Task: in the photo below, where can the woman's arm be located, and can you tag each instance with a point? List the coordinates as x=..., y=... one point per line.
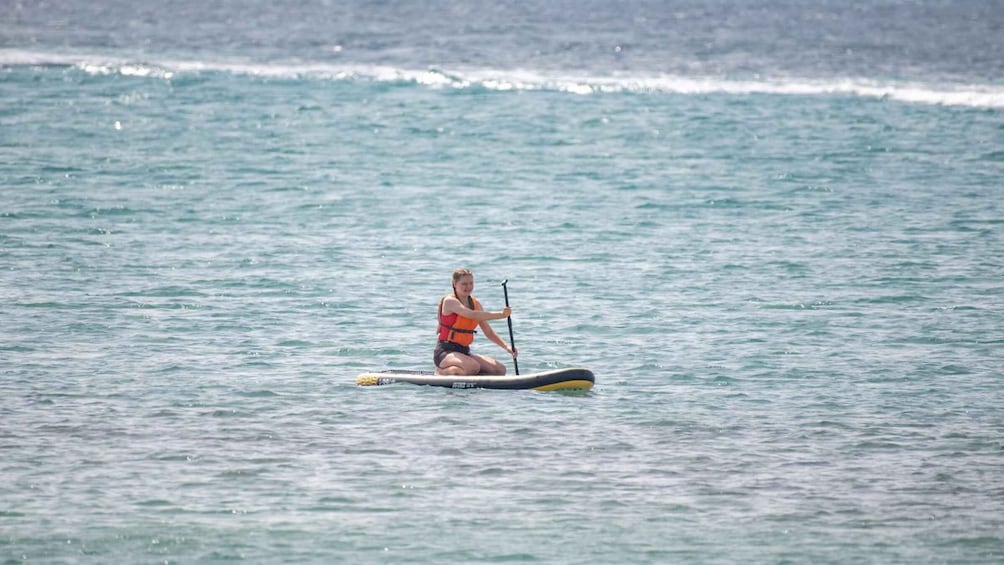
x=494, y=338
x=453, y=306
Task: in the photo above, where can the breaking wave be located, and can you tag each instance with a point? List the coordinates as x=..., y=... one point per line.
x=583, y=83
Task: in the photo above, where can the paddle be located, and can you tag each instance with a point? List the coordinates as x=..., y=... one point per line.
x=512, y=342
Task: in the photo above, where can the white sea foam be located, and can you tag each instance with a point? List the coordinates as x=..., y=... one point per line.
x=950, y=94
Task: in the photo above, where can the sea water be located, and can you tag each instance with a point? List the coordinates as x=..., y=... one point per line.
x=773, y=231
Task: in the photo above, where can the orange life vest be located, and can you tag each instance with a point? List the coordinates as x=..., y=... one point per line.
x=456, y=328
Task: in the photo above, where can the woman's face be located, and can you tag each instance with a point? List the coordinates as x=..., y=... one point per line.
x=464, y=285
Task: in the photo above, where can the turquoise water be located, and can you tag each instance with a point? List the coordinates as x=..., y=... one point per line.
x=790, y=291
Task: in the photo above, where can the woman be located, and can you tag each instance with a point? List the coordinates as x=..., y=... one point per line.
x=459, y=315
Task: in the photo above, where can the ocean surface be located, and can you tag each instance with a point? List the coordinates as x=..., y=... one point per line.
x=773, y=230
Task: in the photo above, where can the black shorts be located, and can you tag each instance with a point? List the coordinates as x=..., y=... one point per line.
x=443, y=348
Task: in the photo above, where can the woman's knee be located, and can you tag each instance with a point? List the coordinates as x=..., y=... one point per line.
x=492, y=367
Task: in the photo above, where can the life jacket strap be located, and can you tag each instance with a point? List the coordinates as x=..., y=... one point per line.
x=458, y=330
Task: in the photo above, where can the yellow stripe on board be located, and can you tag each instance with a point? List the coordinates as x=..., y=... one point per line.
x=367, y=380
x=567, y=385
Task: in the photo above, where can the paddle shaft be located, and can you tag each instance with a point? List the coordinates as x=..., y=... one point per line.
x=512, y=341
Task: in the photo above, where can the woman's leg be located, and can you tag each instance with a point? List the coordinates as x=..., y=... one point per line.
x=458, y=364
x=489, y=366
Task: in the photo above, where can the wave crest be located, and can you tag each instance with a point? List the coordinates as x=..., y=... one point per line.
x=949, y=94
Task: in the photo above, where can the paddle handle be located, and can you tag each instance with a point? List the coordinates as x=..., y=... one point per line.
x=512, y=340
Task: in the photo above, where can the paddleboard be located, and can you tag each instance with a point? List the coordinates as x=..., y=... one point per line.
x=576, y=379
